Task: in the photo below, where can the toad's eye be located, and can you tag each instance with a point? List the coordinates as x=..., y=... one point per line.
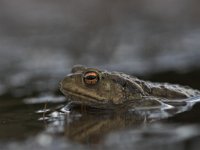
x=91, y=78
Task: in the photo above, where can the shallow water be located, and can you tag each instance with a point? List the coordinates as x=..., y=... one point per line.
x=44, y=122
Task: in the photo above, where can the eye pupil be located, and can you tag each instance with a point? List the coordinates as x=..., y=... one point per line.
x=91, y=78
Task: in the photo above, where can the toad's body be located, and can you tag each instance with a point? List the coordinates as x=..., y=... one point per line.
x=103, y=89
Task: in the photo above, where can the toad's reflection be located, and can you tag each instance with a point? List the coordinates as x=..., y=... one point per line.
x=91, y=126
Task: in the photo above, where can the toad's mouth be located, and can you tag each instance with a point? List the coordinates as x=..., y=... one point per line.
x=81, y=98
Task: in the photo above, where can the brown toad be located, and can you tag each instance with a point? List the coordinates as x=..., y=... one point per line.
x=103, y=89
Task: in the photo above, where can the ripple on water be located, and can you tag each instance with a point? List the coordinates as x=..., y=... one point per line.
x=45, y=99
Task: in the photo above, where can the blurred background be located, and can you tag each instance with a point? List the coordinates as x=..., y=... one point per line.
x=141, y=37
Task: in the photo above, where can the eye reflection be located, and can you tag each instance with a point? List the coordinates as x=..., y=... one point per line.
x=91, y=78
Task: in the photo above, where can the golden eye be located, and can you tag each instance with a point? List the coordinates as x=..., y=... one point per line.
x=91, y=78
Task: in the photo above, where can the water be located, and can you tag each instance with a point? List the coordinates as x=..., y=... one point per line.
x=46, y=122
